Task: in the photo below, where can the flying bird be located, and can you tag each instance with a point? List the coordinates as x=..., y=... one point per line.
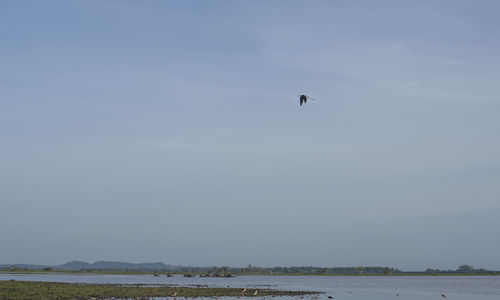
x=444, y=296
x=303, y=99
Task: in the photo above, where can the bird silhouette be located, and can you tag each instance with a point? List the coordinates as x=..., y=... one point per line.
x=303, y=99
x=444, y=296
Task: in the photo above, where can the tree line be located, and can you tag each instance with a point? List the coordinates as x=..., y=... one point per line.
x=297, y=270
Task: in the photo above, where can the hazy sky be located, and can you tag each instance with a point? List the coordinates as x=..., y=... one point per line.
x=170, y=131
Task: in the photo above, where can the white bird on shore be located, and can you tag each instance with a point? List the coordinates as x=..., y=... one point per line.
x=255, y=294
x=175, y=294
x=244, y=290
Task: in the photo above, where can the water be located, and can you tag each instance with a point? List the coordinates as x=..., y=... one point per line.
x=340, y=287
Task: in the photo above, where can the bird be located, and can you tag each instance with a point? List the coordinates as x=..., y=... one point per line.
x=444, y=296
x=255, y=294
x=330, y=297
x=244, y=290
x=174, y=294
x=303, y=99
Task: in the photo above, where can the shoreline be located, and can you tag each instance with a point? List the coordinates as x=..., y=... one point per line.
x=161, y=273
x=16, y=290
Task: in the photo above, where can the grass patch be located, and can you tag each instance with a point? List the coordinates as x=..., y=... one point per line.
x=24, y=290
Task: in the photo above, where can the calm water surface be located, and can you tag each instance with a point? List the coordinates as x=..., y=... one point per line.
x=348, y=287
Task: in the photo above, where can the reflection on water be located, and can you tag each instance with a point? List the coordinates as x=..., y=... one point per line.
x=339, y=287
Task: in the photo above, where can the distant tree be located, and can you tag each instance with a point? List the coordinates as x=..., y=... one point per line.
x=465, y=269
x=360, y=270
x=47, y=269
x=432, y=270
x=387, y=271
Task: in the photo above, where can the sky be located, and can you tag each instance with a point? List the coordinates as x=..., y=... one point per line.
x=170, y=131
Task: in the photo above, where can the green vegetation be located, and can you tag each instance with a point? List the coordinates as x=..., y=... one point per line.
x=387, y=271
x=20, y=290
x=251, y=270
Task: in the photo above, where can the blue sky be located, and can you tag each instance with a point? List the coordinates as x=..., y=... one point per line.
x=170, y=131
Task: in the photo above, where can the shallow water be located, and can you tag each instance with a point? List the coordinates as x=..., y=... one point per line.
x=340, y=287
